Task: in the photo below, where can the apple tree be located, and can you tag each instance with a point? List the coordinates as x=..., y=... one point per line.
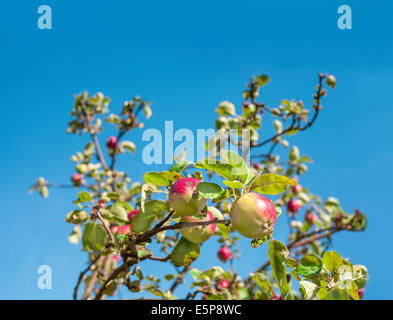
x=185, y=205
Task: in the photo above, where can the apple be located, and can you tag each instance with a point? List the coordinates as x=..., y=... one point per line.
x=311, y=218
x=224, y=254
x=184, y=197
x=132, y=214
x=222, y=284
x=253, y=215
x=297, y=189
x=361, y=293
x=121, y=229
x=76, y=179
x=111, y=143
x=275, y=297
x=257, y=166
x=198, y=234
x=293, y=205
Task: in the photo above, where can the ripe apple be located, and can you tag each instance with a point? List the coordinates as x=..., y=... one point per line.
x=198, y=234
x=132, y=214
x=224, y=254
x=293, y=205
x=184, y=197
x=111, y=142
x=297, y=189
x=253, y=215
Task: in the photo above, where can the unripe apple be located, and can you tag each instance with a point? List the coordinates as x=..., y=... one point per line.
x=224, y=254
x=361, y=293
x=275, y=297
x=257, y=166
x=293, y=205
x=132, y=214
x=124, y=229
x=111, y=142
x=297, y=189
x=311, y=218
x=253, y=215
x=198, y=234
x=76, y=179
x=121, y=229
x=184, y=197
x=223, y=284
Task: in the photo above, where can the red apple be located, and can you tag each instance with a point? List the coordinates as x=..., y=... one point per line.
x=311, y=218
x=76, y=179
x=297, y=188
x=198, y=234
x=275, y=297
x=361, y=293
x=257, y=166
x=224, y=254
x=184, y=197
x=293, y=205
x=132, y=214
x=121, y=229
x=223, y=284
x=111, y=142
x=253, y=215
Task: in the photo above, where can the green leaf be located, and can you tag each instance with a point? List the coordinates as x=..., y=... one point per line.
x=144, y=219
x=129, y=146
x=209, y=190
x=240, y=168
x=336, y=294
x=222, y=169
x=185, y=252
x=94, y=237
x=224, y=230
x=171, y=175
x=291, y=262
x=262, y=79
x=113, y=195
x=272, y=184
x=125, y=205
x=233, y=184
x=332, y=260
x=308, y=289
x=119, y=214
x=278, y=253
x=195, y=273
x=156, y=178
x=77, y=216
x=180, y=166
x=360, y=275
x=156, y=291
x=310, y=264
x=83, y=196
x=226, y=108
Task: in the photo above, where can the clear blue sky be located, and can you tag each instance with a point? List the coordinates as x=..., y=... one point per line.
x=187, y=57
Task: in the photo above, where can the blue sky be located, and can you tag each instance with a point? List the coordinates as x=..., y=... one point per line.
x=186, y=58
